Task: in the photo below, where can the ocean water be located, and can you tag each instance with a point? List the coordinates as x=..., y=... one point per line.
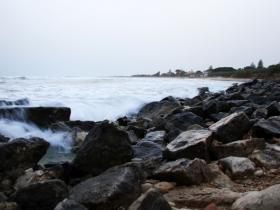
x=92, y=98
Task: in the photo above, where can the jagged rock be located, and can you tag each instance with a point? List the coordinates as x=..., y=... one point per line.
x=147, y=150
x=181, y=121
x=67, y=204
x=189, y=144
x=139, y=132
x=268, y=157
x=260, y=113
x=231, y=128
x=218, y=116
x=267, y=128
x=105, y=146
x=82, y=125
x=241, y=148
x=199, y=197
x=151, y=200
x=273, y=109
x=215, y=106
x=8, y=206
x=247, y=110
x=219, y=179
x=41, y=116
x=19, y=102
x=184, y=172
x=156, y=137
x=237, y=167
x=123, y=121
x=41, y=196
x=157, y=110
x=21, y=154
x=267, y=199
x=116, y=188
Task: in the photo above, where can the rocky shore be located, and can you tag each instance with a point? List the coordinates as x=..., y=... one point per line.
x=214, y=151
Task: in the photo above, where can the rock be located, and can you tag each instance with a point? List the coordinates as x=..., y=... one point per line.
x=181, y=121
x=82, y=125
x=218, y=116
x=237, y=167
x=268, y=157
x=147, y=150
x=273, y=109
x=211, y=206
x=116, y=188
x=156, y=137
x=151, y=200
x=21, y=154
x=132, y=137
x=3, y=197
x=241, y=148
x=105, y=146
x=41, y=196
x=41, y=116
x=165, y=187
x=231, y=128
x=215, y=106
x=139, y=132
x=8, y=206
x=199, y=197
x=145, y=187
x=184, y=172
x=157, y=110
x=67, y=204
x=219, y=180
x=260, y=113
x=247, y=110
x=3, y=139
x=19, y=102
x=123, y=121
x=267, y=199
x=267, y=128
x=259, y=173
x=189, y=144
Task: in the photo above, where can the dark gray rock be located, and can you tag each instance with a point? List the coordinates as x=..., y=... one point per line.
x=3, y=139
x=151, y=200
x=105, y=146
x=21, y=154
x=147, y=150
x=267, y=128
x=19, y=102
x=67, y=204
x=41, y=196
x=241, y=148
x=114, y=189
x=155, y=136
x=184, y=172
x=189, y=144
x=273, y=109
x=231, y=128
x=82, y=125
x=260, y=113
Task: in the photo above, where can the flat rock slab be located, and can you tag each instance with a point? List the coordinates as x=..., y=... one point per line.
x=267, y=199
x=200, y=197
x=231, y=128
x=237, y=167
x=190, y=144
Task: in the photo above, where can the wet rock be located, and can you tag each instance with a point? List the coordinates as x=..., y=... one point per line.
x=105, y=146
x=157, y=110
x=41, y=196
x=273, y=109
x=132, y=137
x=267, y=128
x=67, y=204
x=231, y=128
x=260, y=113
x=21, y=154
x=116, y=188
x=156, y=137
x=267, y=199
x=3, y=139
x=41, y=116
x=123, y=121
x=189, y=144
x=147, y=150
x=247, y=110
x=184, y=172
x=181, y=121
x=199, y=197
x=237, y=167
x=151, y=200
x=19, y=102
x=82, y=125
x=241, y=148
x=139, y=132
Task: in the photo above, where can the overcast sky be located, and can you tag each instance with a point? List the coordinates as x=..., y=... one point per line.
x=124, y=37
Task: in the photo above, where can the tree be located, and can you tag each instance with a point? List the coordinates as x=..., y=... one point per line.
x=260, y=64
x=253, y=66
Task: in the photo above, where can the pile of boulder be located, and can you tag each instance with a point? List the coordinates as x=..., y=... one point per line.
x=214, y=151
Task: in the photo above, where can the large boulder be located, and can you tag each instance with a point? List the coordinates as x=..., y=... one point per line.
x=156, y=137
x=151, y=200
x=237, y=167
x=184, y=172
x=147, y=150
x=21, y=154
x=41, y=196
x=114, y=189
x=231, y=128
x=157, y=110
x=267, y=128
x=67, y=204
x=267, y=199
x=190, y=144
x=41, y=116
x=273, y=109
x=105, y=146
x=241, y=148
